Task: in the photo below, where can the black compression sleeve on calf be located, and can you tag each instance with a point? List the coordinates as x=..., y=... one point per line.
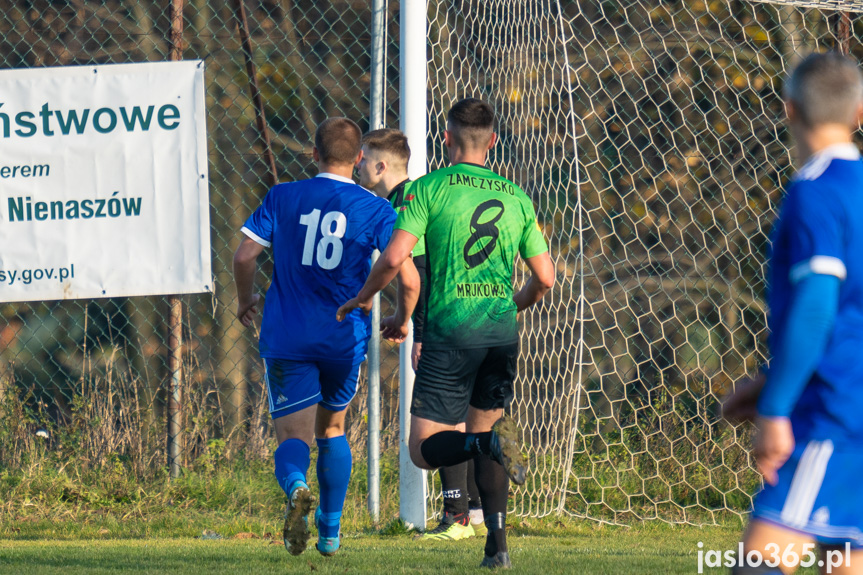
x=453, y=481
x=420, y=310
x=445, y=448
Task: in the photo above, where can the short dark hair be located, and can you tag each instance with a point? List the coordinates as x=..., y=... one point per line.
x=338, y=141
x=471, y=123
x=825, y=89
x=388, y=140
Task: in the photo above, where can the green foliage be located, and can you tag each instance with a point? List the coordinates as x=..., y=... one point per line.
x=396, y=528
x=38, y=499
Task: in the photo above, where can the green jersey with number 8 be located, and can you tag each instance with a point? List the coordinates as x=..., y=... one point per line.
x=473, y=223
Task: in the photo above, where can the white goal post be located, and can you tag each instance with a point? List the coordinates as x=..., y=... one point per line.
x=413, y=485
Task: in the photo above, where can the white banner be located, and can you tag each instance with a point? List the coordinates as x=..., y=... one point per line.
x=103, y=182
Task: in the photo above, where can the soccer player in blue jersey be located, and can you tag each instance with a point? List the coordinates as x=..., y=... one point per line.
x=809, y=439
x=322, y=232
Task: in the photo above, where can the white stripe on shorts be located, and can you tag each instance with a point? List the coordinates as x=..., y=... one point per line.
x=806, y=483
x=269, y=391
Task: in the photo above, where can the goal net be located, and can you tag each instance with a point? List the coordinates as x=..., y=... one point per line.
x=649, y=136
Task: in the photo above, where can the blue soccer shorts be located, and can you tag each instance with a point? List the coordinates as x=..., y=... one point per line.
x=296, y=385
x=818, y=494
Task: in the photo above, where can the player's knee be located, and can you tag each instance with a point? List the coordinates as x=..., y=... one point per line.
x=415, y=449
x=329, y=430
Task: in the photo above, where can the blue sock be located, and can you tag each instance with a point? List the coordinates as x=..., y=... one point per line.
x=292, y=463
x=334, y=473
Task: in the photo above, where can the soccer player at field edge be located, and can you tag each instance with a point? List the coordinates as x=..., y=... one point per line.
x=384, y=170
x=322, y=231
x=474, y=223
x=809, y=433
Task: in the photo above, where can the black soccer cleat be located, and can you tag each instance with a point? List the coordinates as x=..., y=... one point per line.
x=499, y=560
x=505, y=449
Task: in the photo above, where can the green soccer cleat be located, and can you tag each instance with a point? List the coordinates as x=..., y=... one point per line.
x=505, y=449
x=296, y=530
x=448, y=530
x=477, y=521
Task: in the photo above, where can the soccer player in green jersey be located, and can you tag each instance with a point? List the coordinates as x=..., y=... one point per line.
x=474, y=223
x=384, y=170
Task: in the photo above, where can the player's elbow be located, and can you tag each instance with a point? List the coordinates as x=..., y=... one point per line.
x=546, y=281
x=545, y=277
x=246, y=255
x=542, y=273
x=391, y=261
x=242, y=258
x=409, y=278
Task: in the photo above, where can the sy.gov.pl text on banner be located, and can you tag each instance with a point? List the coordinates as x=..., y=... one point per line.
x=103, y=182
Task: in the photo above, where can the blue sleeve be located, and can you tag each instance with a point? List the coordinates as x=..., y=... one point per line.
x=384, y=227
x=800, y=347
x=814, y=222
x=261, y=223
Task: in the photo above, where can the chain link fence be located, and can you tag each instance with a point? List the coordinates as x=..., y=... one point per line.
x=649, y=136
x=96, y=372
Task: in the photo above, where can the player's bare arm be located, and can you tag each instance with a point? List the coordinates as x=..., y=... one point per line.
x=774, y=443
x=540, y=282
x=383, y=272
x=395, y=327
x=416, y=353
x=245, y=268
x=742, y=403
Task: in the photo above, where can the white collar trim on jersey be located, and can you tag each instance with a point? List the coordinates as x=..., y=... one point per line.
x=819, y=162
x=330, y=176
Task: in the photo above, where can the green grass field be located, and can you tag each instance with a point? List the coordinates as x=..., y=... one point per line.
x=63, y=517
x=573, y=547
x=576, y=550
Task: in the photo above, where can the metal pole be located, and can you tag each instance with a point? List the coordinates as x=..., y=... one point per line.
x=843, y=32
x=255, y=92
x=376, y=101
x=379, y=48
x=175, y=316
x=175, y=395
x=374, y=432
x=413, y=122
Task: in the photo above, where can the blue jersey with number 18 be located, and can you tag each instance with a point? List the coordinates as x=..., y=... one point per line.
x=322, y=231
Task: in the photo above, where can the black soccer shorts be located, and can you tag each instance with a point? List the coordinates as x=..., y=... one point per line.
x=448, y=381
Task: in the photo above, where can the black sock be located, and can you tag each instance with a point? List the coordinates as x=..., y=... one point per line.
x=453, y=480
x=447, y=448
x=473, y=499
x=493, y=484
